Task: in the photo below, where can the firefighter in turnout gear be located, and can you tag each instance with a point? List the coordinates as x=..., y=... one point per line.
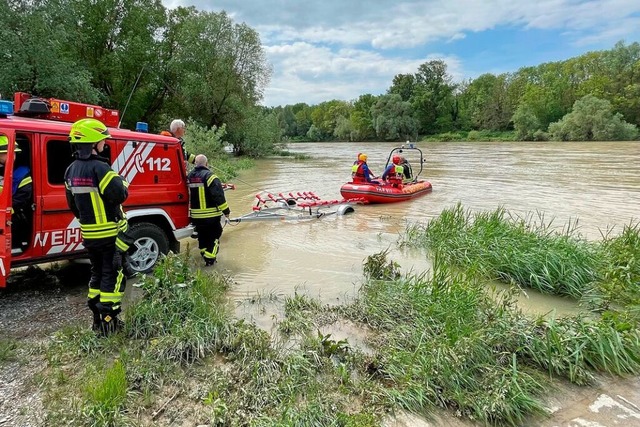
x=94, y=195
x=208, y=204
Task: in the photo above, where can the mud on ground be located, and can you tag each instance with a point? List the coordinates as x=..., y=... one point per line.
x=39, y=302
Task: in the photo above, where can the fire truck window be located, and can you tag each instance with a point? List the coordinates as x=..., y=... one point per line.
x=23, y=156
x=59, y=157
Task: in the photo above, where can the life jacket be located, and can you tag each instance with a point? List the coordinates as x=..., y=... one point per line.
x=396, y=176
x=357, y=172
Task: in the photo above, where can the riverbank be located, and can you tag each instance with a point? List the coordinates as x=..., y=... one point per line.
x=436, y=345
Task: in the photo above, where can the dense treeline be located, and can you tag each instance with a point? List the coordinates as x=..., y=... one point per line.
x=592, y=96
x=159, y=63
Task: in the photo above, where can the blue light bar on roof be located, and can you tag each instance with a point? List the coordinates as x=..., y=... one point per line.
x=142, y=127
x=6, y=107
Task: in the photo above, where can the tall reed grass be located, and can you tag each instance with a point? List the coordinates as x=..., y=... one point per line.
x=528, y=251
x=444, y=340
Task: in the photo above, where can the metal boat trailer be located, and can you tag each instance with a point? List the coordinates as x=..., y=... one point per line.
x=300, y=206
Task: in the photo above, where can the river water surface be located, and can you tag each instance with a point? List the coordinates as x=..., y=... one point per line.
x=597, y=184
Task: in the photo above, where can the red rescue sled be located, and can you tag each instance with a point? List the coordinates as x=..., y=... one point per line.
x=391, y=192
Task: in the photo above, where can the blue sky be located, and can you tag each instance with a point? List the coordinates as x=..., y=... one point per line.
x=340, y=49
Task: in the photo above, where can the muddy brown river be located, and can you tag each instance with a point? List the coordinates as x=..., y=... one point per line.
x=595, y=184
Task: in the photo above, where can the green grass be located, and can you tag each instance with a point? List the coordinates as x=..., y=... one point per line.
x=438, y=339
x=619, y=274
x=105, y=396
x=445, y=341
x=180, y=335
x=8, y=350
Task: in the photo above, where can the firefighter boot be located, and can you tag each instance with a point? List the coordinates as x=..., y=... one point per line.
x=97, y=320
x=109, y=322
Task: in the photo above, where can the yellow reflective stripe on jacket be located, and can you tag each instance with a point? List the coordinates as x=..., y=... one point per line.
x=106, y=180
x=25, y=181
x=205, y=213
x=223, y=206
x=122, y=246
x=98, y=208
x=99, y=231
x=123, y=226
x=210, y=180
x=202, y=200
x=93, y=292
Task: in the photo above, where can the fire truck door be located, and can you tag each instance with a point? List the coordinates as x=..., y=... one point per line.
x=5, y=208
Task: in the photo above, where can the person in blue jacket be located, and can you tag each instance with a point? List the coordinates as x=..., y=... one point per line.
x=22, y=196
x=360, y=171
x=394, y=170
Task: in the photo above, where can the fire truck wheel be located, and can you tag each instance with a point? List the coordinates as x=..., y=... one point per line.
x=149, y=243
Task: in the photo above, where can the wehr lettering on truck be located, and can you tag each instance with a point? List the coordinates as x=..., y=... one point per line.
x=57, y=241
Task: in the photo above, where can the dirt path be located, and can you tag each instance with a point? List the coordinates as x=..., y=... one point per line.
x=39, y=303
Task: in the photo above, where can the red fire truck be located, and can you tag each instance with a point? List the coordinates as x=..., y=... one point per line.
x=154, y=166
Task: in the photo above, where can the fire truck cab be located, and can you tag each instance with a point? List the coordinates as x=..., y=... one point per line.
x=157, y=207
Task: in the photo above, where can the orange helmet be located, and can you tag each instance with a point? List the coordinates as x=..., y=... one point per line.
x=362, y=157
x=395, y=159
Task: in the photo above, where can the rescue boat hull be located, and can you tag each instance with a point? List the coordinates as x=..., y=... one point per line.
x=385, y=193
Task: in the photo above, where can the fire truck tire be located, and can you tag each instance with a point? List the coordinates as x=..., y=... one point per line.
x=150, y=242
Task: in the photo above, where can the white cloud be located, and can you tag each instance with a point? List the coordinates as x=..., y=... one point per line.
x=337, y=49
x=308, y=73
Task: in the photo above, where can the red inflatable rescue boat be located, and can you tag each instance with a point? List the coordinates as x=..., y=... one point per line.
x=391, y=191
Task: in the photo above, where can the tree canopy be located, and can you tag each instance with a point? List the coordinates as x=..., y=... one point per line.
x=152, y=63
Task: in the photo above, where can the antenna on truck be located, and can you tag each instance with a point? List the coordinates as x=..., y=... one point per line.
x=130, y=94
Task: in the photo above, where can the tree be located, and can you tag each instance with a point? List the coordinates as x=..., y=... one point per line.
x=221, y=69
x=303, y=118
x=393, y=118
x=36, y=54
x=486, y=102
x=343, y=129
x=325, y=117
x=592, y=119
x=525, y=122
x=261, y=132
x=117, y=41
x=361, y=118
x=432, y=98
x=403, y=85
